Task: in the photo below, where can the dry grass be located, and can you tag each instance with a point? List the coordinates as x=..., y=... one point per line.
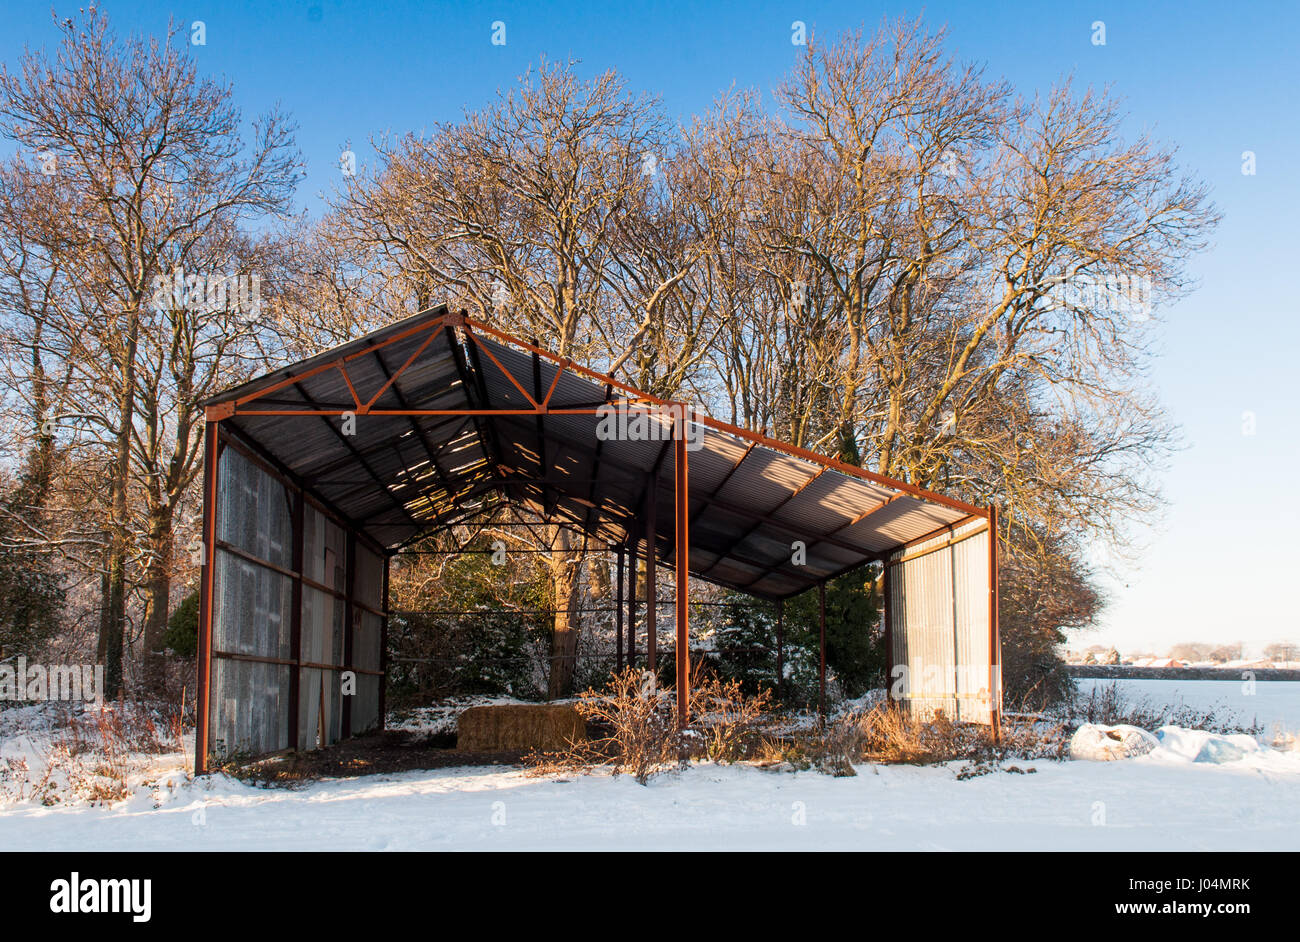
x=639, y=725
x=93, y=755
x=885, y=734
x=1109, y=706
x=730, y=726
x=642, y=736
x=640, y=731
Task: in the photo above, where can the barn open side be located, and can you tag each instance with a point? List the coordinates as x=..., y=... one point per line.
x=318, y=473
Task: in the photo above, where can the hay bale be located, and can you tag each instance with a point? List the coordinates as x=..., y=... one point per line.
x=1106, y=743
x=513, y=727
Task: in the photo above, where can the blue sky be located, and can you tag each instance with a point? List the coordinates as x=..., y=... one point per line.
x=1214, y=79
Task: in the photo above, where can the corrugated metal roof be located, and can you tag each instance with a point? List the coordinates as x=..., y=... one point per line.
x=752, y=500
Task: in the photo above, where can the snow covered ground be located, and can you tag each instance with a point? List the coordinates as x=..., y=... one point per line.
x=1157, y=801
x=1163, y=800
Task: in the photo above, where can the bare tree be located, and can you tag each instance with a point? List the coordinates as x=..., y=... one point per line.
x=549, y=212
x=147, y=158
x=964, y=286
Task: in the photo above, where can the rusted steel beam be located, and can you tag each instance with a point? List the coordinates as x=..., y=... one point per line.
x=618, y=606
x=821, y=636
x=784, y=447
x=383, y=654
x=651, y=584
x=203, y=665
x=356, y=400
x=491, y=356
x=349, y=628
x=682, y=498
x=995, y=641
x=886, y=591
x=295, y=615
x=555, y=381
x=392, y=378
x=433, y=326
x=631, y=607
x=780, y=646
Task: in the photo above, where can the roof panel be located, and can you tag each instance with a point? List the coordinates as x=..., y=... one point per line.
x=750, y=498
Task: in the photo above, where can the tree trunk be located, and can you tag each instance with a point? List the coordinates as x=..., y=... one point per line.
x=565, y=565
x=158, y=585
x=113, y=625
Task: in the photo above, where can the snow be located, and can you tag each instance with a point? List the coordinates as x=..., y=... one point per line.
x=1193, y=791
x=1162, y=800
x=1273, y=703
x=1194, y=745
x=1150, y=802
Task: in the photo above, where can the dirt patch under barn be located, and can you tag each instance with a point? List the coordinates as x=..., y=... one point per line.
x=374, y=753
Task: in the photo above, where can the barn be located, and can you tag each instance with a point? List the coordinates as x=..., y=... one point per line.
x=318, y=474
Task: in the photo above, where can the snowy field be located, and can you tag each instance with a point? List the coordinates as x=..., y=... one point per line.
x=1272, y=703
x=1155, y=802
x=1164, y=800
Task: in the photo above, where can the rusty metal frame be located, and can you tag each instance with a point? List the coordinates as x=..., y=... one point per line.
x=217, y=439
x=633, y=396
x=995, y=640
x=821, y=647
x=682, y=575
x=651, y=581
x=465, y=332
x=203, y=662
x=618, y=608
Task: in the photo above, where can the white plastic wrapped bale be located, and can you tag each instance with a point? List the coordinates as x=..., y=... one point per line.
x=1106, y=743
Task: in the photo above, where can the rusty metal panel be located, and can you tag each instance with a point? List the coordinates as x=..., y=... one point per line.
x=365, y=703
x=254, y=511
x=368, y=588
x=320, y=708
x=322, y=627
x=250, y=707
x=323, y=545
x=252, y=608
x=939, y=625
x=971, y=587
x=367, y=640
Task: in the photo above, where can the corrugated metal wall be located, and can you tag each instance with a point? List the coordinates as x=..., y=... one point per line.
x=274, y=545
x=939, y=612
